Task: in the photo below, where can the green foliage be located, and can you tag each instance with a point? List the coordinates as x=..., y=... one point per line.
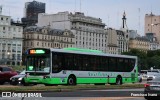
x=154, y=61
x=152, y=53
x=18, y=68
x=146, y=60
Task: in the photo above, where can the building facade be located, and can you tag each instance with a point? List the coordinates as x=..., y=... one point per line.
x=133, y=34
x=89, y=31
x=152, y=26
x=112, y=41
x=31, y=11
x=154, y=45
x=45, y=37
x=118, y=41
x=141, y=43
x=10, y=42
x=123, y=41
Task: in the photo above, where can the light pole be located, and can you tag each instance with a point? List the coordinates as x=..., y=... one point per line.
x=8, y=58
x=21, y=63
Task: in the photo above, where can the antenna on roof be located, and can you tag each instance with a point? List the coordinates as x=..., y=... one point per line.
x=139, y=25
x=80, y=5
x=75, y=6
x=0, y=9
x=117, y=19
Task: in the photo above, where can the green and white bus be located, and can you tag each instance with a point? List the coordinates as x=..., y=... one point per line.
x=79, y=66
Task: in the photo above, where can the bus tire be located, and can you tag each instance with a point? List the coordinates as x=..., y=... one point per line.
x=71, y=80
x=119, y=80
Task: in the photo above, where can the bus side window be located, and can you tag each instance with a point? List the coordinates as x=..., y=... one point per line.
x=126, y=65
x=112, y=64
x=120, y=64
x=131, y=64
x=57, y=62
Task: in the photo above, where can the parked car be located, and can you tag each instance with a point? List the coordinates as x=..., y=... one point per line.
x=152, y=74
x=18, y=79
x=6, y=73
x=152, y=89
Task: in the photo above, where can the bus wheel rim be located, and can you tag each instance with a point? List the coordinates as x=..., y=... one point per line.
x=70, y=81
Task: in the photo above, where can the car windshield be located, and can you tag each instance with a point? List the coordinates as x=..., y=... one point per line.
x=23, y=72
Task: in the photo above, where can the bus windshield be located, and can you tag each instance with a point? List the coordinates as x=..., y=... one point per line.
x=38, y=64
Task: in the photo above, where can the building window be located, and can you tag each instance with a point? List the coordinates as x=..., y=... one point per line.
x=3, y=28
x=1, y=18
x=31, y=43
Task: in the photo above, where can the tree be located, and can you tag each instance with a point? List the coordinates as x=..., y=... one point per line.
x=142, y=57
x=154, y=61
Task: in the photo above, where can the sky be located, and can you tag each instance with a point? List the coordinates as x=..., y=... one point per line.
x=110, y=11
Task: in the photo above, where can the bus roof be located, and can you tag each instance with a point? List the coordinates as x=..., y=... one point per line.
x=83, y=50
x=90, y=52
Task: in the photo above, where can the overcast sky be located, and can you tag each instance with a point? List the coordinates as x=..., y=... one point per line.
x=110, y=11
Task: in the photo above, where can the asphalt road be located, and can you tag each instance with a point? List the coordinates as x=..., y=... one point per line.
x=109, y=94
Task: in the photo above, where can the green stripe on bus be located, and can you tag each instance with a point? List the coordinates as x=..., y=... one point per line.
x=86, y=80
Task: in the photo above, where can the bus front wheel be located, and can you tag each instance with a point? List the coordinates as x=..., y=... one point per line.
x=72, y=80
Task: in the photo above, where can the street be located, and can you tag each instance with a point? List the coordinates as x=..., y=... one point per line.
x=108, y=94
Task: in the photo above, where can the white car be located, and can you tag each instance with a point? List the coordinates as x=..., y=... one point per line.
x=152, y=74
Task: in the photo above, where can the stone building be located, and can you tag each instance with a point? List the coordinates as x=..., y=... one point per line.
x=11, y=38
x=45, y=37
x=141, y=43
x=89, y=31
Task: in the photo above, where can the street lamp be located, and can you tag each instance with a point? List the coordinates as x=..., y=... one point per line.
x=8, y=53
x=21, y=63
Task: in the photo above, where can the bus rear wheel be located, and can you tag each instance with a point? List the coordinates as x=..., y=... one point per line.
x=118, y=80
x=71, y=80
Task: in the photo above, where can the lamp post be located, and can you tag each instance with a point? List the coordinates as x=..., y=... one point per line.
x=21, y=63
x=8, y=58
